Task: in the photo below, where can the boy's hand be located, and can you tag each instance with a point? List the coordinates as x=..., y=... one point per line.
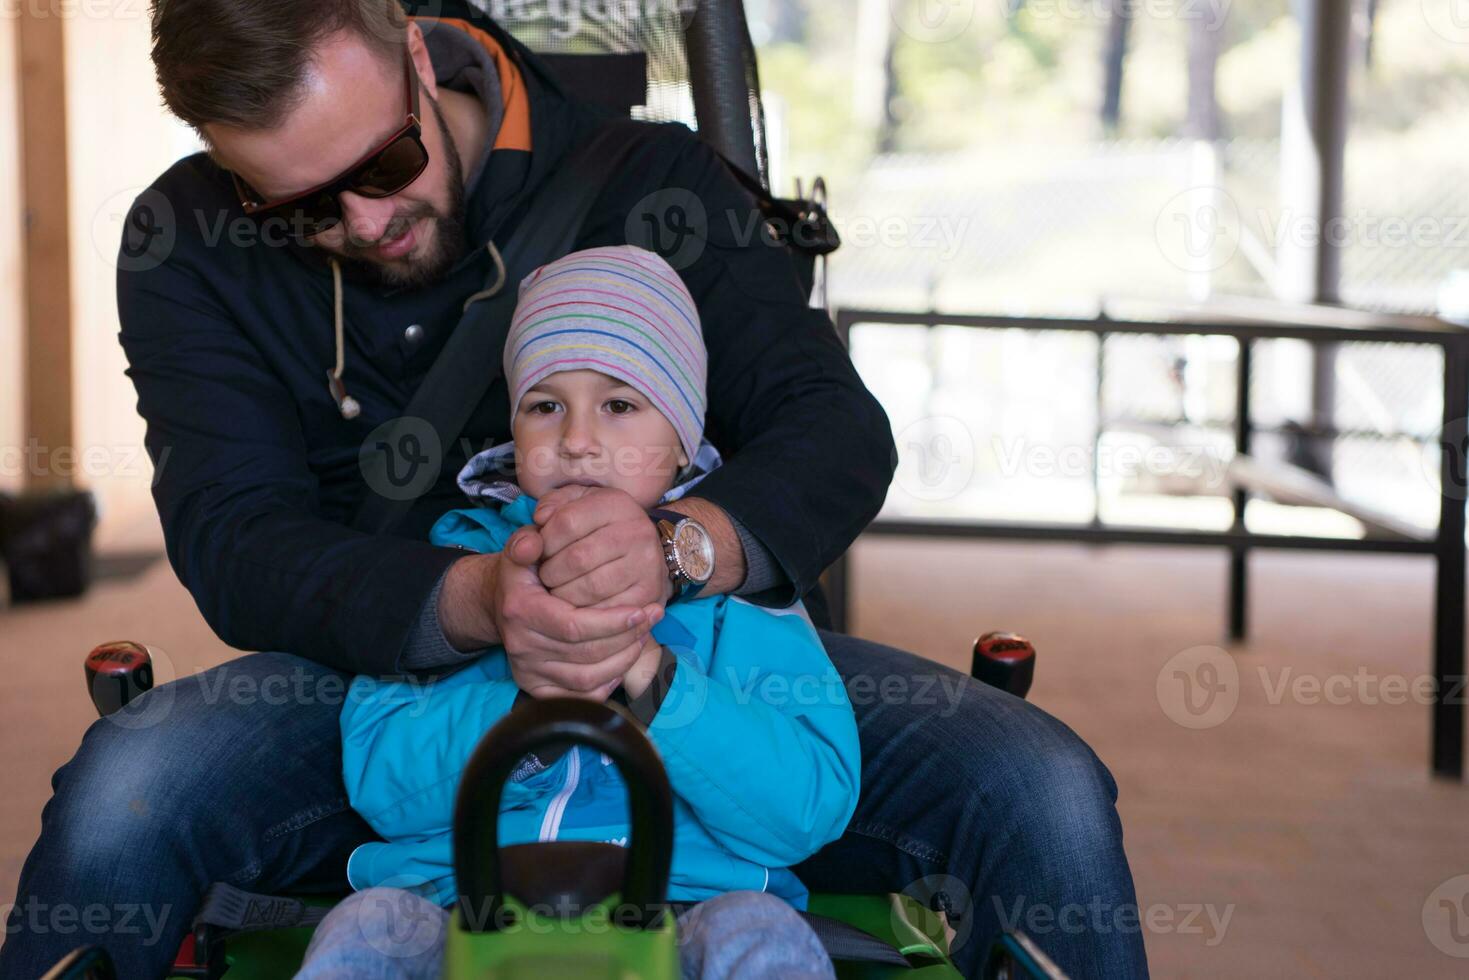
x=601, y=549
x=644, y=670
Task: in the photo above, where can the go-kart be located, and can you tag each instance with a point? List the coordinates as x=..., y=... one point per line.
x=569, y=909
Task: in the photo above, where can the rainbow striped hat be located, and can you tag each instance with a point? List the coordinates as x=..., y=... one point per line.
x=620, y=310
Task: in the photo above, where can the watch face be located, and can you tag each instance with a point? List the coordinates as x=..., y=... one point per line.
x=695, y=551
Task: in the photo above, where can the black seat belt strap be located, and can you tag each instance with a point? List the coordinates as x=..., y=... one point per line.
x=471, y=359
x=235, y=910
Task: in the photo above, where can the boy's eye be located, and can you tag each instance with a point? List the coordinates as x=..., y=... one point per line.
x=542, y=408
x=620, y=406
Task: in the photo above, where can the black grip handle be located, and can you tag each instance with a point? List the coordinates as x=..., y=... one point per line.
x=533, y=725
x=1004, y=660
x=116, y=673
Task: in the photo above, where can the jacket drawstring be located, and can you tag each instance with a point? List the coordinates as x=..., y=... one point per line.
x=493, y=288
x=346, y=404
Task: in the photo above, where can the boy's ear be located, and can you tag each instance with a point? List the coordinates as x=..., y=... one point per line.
x=683, y=458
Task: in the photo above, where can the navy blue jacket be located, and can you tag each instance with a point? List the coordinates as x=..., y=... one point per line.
x=229, y=341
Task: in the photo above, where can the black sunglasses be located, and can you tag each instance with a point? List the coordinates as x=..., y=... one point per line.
x=392, y=166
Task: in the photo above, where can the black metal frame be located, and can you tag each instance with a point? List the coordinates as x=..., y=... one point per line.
x=1446, y=546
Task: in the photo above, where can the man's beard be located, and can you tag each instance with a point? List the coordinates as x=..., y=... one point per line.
x=448, y=241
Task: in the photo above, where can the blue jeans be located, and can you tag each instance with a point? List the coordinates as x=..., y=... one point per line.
x=971, y=799
x=391, y=934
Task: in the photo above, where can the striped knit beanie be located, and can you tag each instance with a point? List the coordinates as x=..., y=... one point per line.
x=620, y=310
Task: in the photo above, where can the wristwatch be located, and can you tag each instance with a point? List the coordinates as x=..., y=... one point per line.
x=688, y=551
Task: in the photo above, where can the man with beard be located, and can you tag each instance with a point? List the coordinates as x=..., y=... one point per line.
x=263, y=367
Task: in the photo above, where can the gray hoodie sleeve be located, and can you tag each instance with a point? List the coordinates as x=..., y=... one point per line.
x=426, y=647
x=762, y=571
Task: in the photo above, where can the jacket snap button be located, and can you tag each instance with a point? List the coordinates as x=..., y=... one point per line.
x=413, y=334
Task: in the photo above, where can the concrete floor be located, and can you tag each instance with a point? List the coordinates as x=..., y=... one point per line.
x=1305, y=815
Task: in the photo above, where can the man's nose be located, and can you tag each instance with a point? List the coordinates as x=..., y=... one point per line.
x=366, y=218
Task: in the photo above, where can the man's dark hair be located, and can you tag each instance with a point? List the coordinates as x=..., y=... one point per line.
x=244, y=63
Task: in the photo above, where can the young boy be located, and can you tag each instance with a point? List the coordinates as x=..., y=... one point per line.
x=606, y=367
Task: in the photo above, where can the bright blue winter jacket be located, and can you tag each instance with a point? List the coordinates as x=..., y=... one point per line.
x=756, y=733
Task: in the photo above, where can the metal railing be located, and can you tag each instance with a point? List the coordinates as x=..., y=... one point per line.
x=1248, y=323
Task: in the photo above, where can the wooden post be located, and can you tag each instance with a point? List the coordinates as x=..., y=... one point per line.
x=45, y=246
x=11, y=350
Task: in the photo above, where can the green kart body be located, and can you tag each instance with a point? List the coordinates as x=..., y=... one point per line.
x=592, y=948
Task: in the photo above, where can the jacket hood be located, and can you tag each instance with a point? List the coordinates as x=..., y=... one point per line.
x=489, y=476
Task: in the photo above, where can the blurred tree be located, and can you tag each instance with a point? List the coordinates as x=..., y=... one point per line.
x=779, y=21
x=855, y=78
x=1369, y=26
x=1114, y=58
x=874, y=85
x=1204, y=40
